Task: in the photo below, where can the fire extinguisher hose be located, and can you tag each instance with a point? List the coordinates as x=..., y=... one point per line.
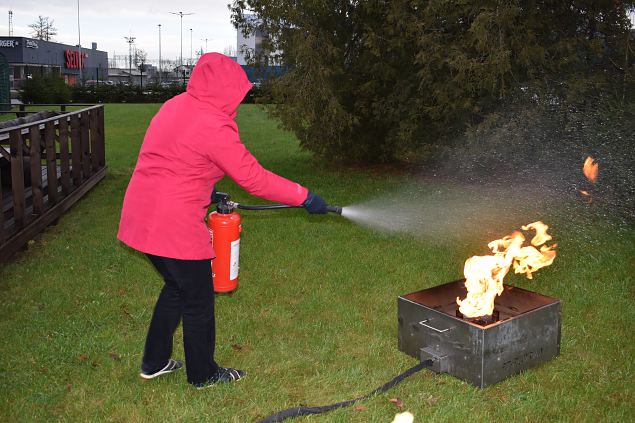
x=304, y=410
x=331, y=209
x=224, y=205
x=265, y=207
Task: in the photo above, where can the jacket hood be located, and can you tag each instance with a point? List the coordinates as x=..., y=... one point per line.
x=219, y=81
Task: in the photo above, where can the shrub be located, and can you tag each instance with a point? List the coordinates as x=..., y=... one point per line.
x=120, y=93
x=48, y=88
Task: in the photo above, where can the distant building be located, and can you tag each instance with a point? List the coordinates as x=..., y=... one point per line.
x=29, y=56
x=123, y=76
x=252, y=46
x=183, y=71
x=134, y=76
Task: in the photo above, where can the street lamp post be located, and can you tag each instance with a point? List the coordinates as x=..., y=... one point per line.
x=130, y=41
x=79, y=46
x=191, y=47
x=181, y=14
x=159, y=53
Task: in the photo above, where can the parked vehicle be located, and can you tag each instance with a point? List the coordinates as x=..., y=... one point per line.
x=93, y=82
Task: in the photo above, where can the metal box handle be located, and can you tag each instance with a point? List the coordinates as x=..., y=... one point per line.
x=423, y=323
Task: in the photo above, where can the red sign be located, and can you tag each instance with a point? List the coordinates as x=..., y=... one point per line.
x=74, y=60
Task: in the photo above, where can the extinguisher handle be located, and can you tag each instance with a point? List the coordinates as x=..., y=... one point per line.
x=334, y=209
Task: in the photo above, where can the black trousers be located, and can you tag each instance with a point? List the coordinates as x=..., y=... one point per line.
x=187, y=294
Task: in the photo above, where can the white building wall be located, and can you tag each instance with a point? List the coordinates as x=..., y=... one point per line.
x=245, y=42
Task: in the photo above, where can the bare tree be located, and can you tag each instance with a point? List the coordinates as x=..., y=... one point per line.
x=43, y=28
x=140, y=59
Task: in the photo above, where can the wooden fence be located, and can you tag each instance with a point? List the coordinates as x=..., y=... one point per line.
x=53, y=163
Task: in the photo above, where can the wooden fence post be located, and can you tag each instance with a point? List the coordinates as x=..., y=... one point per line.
x=76, y=152
x=36, y=169
x=17, y=177
x=85, y=144
x=101, y=132
x=62, y=127
x=51, y=162
x=94, y=138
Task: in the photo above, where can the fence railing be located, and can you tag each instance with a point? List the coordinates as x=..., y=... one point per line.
x=22, y=110
x=46, y=166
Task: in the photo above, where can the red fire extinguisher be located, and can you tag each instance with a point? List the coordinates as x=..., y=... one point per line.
x=225, y=228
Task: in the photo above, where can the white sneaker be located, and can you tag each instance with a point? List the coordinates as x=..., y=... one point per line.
x=223, y=375
x=172, y=366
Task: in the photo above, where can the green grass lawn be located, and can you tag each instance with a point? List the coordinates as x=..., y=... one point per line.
x=314, y=319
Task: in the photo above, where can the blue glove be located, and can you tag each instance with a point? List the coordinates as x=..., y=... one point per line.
x=314, y=204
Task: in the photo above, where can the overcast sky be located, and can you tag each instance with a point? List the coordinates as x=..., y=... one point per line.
x=108, y=22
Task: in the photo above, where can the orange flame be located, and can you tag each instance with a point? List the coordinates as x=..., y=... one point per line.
x=590, y=169
x=484, y=274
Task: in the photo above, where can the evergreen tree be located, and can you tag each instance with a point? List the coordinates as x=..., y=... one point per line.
x=370, y=80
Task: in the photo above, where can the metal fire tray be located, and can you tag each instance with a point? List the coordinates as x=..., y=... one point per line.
x=526, y=333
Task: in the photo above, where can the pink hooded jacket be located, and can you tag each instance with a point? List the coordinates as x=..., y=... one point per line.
x=191, y=143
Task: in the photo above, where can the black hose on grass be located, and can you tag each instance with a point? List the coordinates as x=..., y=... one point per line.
x=303, y=411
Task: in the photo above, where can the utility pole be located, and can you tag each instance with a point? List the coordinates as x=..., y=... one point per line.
x=10, y=23
x=79, y=47
x=159, y=53
x=130, y=41
x=205, y=39
x=191, y=49
x=181, y=14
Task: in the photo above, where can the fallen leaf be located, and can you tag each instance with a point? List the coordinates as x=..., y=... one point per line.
x=398, y=403
x=82, y=357
x=360, y=408
x=121, y=291
x=237, y=347
x=69, y=387
x=114, y=356
x=94, y=363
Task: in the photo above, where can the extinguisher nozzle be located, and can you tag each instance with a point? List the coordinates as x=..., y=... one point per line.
x=334, y=209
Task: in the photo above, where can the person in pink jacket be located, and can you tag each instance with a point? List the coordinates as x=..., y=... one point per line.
x=191, y=143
